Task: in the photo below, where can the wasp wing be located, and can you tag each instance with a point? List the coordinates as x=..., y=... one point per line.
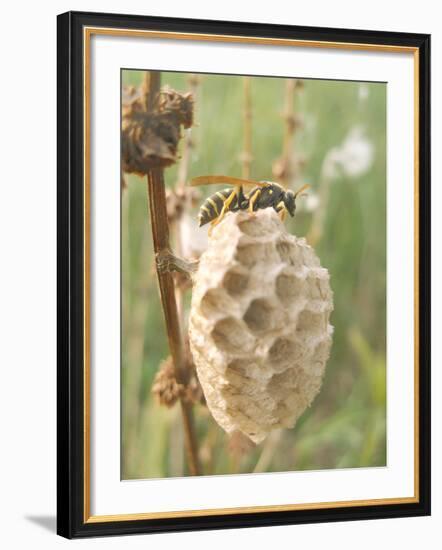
x=213, y=180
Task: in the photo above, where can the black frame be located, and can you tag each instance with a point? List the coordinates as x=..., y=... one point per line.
x=70, y=265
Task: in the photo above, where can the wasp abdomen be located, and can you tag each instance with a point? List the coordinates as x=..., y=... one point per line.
x=213, y=205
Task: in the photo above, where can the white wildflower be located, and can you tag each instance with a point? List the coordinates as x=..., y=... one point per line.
x=311, y=201
x=353, y=158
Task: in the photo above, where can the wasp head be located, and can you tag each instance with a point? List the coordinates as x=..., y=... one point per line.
x=289, y=201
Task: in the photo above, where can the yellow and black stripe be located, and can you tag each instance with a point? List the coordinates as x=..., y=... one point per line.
x=213, y=205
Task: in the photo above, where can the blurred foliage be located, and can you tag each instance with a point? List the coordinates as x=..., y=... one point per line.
x=346, y=425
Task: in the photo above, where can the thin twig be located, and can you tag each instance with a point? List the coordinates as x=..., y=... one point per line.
x=246, y=155
x=285, y=167
x=289, y=118
x=268, y=452
x=183, y=170
x=187, y=142
x=160, y=234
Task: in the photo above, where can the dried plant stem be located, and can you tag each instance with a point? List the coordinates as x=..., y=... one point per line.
x=289, y=118
x=178, y=246
x=246, y=155
x=183, y=166
x=187, y=143
x=160, y=234
x=268, y=452
x=286, y=166
x=183, y=170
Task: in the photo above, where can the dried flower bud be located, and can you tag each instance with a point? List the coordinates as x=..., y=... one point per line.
x=259, y=324
x=179, y=105
x=150, y=139
x=165, y=386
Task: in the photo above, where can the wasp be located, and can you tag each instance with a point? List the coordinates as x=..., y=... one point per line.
x=264, y=194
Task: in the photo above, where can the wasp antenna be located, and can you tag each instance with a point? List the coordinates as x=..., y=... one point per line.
x=303, y=188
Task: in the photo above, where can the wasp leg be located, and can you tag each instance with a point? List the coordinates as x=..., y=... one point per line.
x=282, y=211
x=253, y=199
x=226, y=205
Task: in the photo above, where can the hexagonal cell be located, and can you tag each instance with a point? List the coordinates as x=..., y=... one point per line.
x=289, y=287
x=252, y=253
x=212, y=302
x=282, y=354
x=288, y=253
x=309, y=322
x=230, y=336
x=318, y=287
x=253, y=228
x=261, y=315
x=235, y=281
x=319, y=357
x=284, y=250
x=239, y=369
x=282, y=384
x=246, y=369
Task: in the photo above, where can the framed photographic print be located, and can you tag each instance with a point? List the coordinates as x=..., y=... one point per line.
x=243, y=274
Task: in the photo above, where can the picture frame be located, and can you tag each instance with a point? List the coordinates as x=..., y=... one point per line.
x=75, y=332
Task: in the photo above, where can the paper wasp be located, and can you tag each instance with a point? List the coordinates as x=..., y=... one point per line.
x=264, y=194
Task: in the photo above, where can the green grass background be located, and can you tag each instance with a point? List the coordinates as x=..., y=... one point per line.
x=346, y=425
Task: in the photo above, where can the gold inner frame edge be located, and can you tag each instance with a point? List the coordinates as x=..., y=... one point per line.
x=87, y=33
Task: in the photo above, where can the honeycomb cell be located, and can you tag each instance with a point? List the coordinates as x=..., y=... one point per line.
x=212, y=302
x=284, y=250
x=281, y=385
x=252, y=228
x=261, y=315
x=289, y=254
x=230, y=336
x=249, y=254
x=289, y=287
x=281, y=354
x=310, y=322
x=235, y=281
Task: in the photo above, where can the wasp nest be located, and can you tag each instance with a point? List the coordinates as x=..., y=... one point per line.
x=259, y=324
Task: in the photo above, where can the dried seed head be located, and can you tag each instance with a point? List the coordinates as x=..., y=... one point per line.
x=176, y=104
x=165, y=387
x=259, y=324
x=150, y=139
